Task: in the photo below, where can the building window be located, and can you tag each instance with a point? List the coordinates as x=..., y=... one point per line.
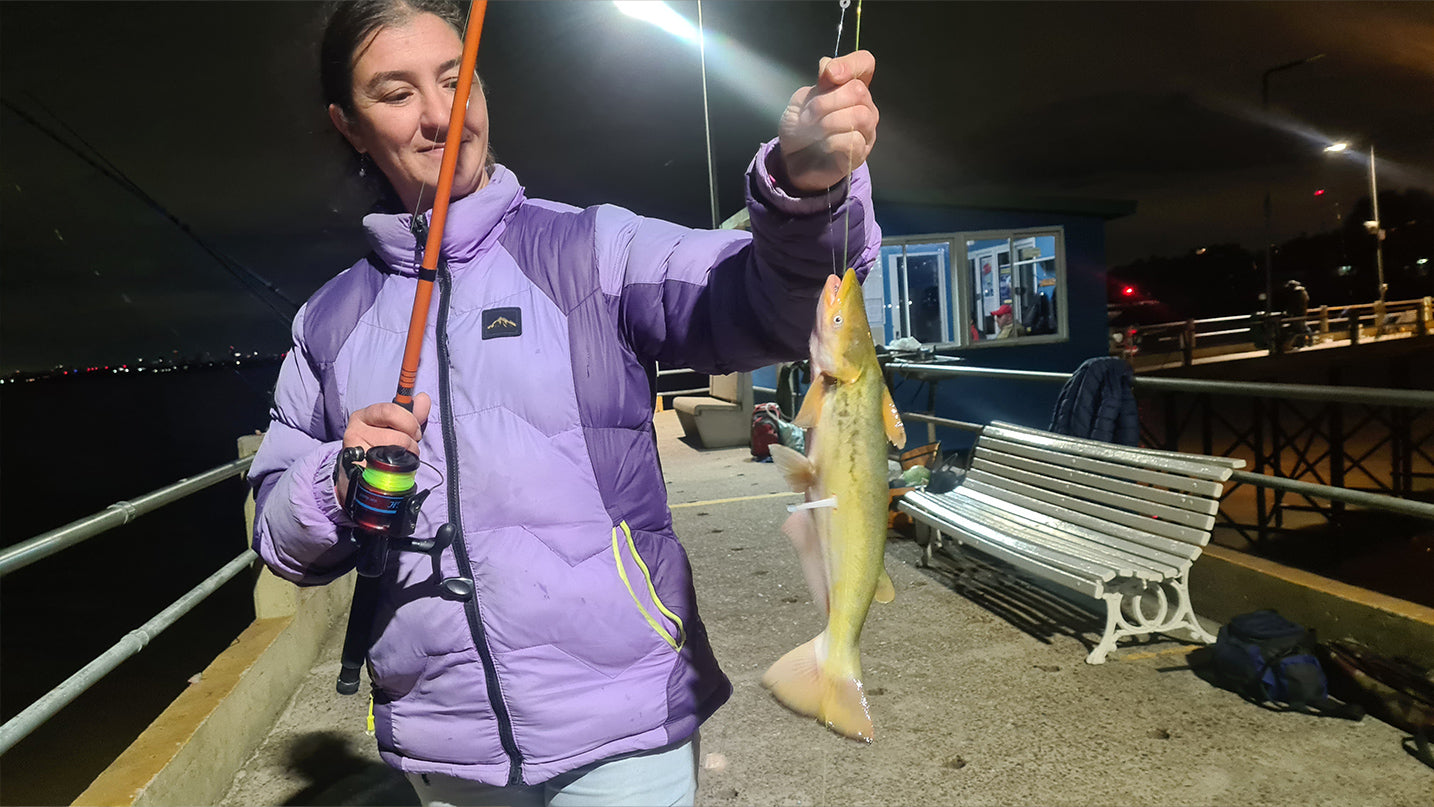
x=915, y=277
x=985, y=288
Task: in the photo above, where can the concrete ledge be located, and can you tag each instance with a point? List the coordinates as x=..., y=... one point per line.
x=190, y=753
x=1224, y=583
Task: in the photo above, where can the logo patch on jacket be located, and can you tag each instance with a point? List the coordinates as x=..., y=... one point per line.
x=502, y=322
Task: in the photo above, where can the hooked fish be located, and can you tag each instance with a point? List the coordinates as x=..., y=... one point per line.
x=840, y=531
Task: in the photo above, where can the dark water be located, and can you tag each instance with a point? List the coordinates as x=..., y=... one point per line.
x=70, y=447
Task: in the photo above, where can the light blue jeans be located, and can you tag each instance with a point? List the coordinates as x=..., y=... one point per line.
x=665, y=777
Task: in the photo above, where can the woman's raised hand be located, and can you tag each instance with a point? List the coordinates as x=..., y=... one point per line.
x=828, y=129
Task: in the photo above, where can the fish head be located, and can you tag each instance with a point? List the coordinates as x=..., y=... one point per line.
x=841, y=344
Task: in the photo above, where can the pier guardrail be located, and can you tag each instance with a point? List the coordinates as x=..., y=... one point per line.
x=20, y=555
x=1182, y=341
x=1281, y=455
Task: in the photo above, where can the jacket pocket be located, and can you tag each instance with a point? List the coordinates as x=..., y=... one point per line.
x=622, y=544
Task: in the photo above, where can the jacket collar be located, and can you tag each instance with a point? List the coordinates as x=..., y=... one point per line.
x=472, y=222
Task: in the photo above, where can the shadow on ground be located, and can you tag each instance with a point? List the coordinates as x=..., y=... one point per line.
x=338, y=776
x=1035, y=611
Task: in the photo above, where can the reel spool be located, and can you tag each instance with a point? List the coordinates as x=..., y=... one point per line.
x=383, y=498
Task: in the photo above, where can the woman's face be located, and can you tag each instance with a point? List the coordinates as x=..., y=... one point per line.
x=403, y=85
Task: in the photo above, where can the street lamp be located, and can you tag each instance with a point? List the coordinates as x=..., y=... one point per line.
x=1269, y=234
x=1373, y=227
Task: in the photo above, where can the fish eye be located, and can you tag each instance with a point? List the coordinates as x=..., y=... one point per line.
x=836, y=320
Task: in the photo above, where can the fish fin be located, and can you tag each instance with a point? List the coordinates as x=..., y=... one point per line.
x=844, y=708
x=796, y=468
x=795, y=680
x=895, y=429
x=811, y=409
x=885, y=589
x=801, y=527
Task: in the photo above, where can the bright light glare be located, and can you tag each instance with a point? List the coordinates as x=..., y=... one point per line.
x=1337, y=147
x=660, y=14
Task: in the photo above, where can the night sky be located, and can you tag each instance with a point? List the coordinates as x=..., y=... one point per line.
x=211, y=110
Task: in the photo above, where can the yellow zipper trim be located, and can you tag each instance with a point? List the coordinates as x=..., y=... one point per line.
x=622, y=572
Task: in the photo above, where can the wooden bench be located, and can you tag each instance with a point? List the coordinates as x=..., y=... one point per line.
x=723, y=417
x=1111, y=522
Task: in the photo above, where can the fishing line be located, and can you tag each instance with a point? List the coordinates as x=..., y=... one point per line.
x=255, y=284
x=422, y=186
x=836, y=52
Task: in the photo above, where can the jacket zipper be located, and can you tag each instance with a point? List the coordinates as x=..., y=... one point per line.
x=455, y=516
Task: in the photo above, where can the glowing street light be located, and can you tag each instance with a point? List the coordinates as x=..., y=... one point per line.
x=1370, y=226
x=660, y=14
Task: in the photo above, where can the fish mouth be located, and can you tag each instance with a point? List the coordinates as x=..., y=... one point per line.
x=832, y=293
x=838, y=289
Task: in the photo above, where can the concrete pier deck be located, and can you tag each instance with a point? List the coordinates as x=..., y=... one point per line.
x=978, y=688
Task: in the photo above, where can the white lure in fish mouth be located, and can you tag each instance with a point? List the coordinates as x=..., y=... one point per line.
x=829, y=501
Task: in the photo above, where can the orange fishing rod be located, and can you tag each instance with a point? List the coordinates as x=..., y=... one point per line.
x=423, y=296
x=382, y=498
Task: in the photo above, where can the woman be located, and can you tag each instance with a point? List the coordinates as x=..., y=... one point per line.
x=578, y=671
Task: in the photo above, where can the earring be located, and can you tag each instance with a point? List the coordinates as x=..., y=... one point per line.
x=363, y=165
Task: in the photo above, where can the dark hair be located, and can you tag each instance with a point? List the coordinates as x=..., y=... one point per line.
x=349, y=27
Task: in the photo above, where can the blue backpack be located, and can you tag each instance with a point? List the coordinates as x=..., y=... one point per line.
x=1269, y=659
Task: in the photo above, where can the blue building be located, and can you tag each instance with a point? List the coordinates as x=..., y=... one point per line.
x=1013, y=282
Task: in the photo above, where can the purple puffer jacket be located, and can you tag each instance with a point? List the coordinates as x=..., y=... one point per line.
x=582, y=640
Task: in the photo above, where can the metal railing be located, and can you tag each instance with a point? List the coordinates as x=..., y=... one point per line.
x=23, y=554
x=1411, y=444
x=1185, y=340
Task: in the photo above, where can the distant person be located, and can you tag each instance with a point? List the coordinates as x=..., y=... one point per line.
x=1006, y=325
x=579, y=670
x=1297, y=307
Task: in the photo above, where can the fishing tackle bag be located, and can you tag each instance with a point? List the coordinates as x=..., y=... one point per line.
x=766, y=429
x=769, y=426
x=1267, y=658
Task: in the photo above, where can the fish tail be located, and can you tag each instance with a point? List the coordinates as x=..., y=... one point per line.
x=799, y=683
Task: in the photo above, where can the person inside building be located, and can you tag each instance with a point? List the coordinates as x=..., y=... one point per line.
x=568, y=663
x=1006, y=325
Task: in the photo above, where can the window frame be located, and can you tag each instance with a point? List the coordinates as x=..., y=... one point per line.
x=959, y=291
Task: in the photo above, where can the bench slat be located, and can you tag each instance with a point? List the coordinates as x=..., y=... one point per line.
x=1168, y=559
x=1008, y=518
x=968, y=531
x=1204, y=491
x=1233, y=463
x=1078, y=487
x=1196, y=465
x=1159, y=544
x=1012, y=491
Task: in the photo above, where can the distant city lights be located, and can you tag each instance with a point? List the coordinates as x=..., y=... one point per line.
x=142, y=365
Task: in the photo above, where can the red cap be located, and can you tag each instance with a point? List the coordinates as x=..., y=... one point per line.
x=1005, y=309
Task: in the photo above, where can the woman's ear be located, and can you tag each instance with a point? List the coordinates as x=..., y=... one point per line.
x=346, y=129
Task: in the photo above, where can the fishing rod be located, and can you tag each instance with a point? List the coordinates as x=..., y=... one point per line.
x=383, y=498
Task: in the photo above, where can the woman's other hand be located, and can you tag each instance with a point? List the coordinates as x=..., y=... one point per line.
x=384, y=424
x=828, y=129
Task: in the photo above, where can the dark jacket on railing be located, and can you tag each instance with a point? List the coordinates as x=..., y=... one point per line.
x=1097, y=403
